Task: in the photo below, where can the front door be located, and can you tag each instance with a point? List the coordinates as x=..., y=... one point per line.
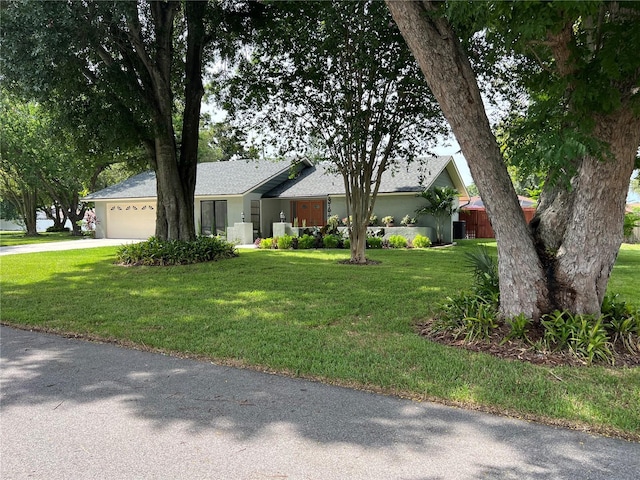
x=309, y=211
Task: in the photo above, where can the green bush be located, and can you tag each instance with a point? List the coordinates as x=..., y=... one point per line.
x=467, y=315
x=584, y=335
x=346, y=243
x=306, y=241
x=331, y=241
x=175, y=252
x=397, y=241
x=420, y=241
x=266, y=243
x=485, y=272
x=374, y=242
x=285, y=242
x=53, y=229
x=631, y=220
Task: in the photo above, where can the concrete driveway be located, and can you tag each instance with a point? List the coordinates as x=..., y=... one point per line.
x=65, y=245
x=73, y=409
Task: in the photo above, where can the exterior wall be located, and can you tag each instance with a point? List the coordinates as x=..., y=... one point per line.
x=270, y=214
x=101, y=219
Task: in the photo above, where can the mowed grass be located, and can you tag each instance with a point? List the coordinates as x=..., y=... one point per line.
x=302, y=313
x=10, y=239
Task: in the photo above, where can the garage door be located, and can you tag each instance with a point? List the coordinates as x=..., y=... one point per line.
x=131, y=220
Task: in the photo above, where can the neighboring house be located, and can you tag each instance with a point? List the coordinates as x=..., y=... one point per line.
x=477, y=224
x=257, y=192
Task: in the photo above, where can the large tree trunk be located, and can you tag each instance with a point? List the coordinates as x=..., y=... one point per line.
x=523, y=288
x=176, y=176
x=566, y=260
x=579, y=232
x=28, y=207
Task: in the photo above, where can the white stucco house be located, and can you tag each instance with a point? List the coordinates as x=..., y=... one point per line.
x=257, y=192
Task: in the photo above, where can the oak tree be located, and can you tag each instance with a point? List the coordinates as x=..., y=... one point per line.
x=577, y=64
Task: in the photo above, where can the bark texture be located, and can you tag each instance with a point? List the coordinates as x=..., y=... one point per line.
x=564, y=260
x=454, y=84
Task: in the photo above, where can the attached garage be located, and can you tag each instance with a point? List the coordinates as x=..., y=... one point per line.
x=131, y=220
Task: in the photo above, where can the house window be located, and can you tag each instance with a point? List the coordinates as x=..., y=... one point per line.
x=213, y=217
x=255, y=213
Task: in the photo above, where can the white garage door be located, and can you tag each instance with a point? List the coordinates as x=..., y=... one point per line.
x=131, y=220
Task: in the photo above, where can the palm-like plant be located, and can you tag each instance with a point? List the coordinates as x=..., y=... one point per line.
x=441, y=204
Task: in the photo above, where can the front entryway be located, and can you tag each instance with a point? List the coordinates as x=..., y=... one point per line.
x=308, y=212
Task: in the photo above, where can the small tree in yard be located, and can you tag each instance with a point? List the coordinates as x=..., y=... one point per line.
x=441, y=204
x=335, y=80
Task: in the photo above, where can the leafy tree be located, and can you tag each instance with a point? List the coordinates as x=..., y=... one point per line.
x=335, y=80
x=135, y=63
x=441, y=204
x=21, y=143
x=576, y=65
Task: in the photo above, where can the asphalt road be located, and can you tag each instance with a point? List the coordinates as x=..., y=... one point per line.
x=72, y=409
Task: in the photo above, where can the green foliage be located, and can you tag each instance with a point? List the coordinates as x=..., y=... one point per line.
x=374, y=242
x=266, y=243
x=518, y=327
x=622, y=321
x=631, y=220
x=175, y=252
x=285, y=242
x=306, y=242
x=408, y=220
x=468, y=315
x=421, y=241
x=54, y=229
x=331, y=241
x=440, y=205
x=584, y=335
x=346, y=243
x=397, y=241
x=484, y=267
x=378, y=111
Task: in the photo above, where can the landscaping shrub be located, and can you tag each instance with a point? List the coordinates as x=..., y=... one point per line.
x=420, y=241
x=175, y=252
x=484, y=267
x=584, y=335
x=53, y=229
x=306, y=241
x=331, y=241
x=285, y=242
x=346, y=243
x=397, y=241
x=266, y=244
x=374, y=242
x=467, y=315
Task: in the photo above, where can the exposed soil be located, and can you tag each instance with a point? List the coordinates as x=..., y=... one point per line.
x=520, y=350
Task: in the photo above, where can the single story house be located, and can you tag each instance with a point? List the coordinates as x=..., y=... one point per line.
x=236, y=197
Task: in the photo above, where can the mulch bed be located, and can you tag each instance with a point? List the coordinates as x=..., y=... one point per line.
x=520, y=350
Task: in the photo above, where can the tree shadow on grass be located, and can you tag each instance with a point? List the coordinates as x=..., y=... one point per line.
x=399, y=438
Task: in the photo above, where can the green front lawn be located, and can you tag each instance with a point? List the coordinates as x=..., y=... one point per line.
x=10, y=239
x=302, y=313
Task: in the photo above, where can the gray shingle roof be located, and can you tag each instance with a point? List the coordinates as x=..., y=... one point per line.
x=404, y=177
x=271, y=179
x=215, y=178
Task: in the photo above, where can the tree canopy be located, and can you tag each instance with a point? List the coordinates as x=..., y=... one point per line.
x=335, y=81
x=571, y=76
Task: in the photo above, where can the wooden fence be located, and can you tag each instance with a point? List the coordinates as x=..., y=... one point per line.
x=478, y=224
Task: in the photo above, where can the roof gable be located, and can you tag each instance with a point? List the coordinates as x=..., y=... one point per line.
x=415, y=176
